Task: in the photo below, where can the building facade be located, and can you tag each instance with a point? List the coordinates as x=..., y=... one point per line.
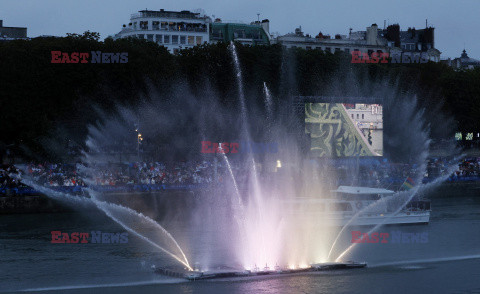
x=463, y=62
x=358, y=41
x=390, y=40
x=12, y=33
x=256, y=33
x=172, y=29
x=412, y=42
x=368, y=118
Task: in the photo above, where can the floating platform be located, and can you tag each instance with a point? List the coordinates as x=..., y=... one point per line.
x=229, y=273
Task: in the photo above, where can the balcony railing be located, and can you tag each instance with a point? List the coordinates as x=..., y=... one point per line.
x=160, y=14
x=175, y=29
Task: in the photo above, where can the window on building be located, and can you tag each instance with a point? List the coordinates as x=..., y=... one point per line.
x=141, y=36
x=337, y=50
x=135, y=25
x=174, y=39
x=358, y=116
x=352, y=116
x=183, y=40
x=150, y=37
x=308, y=48
x=159, y=39
x=191, y=40
x=347, y=50
x=328, y=49
x=155, y=25
x=166, y=39
x=199, y=40
x=239, y=34
x=144, y=25
x=363, y=116
x=217, y=34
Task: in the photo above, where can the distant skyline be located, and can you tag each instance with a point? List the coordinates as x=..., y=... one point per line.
x=456, y=23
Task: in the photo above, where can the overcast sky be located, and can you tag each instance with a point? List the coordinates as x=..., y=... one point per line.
x=456, y=22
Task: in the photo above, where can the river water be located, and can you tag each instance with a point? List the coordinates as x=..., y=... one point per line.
x=448, y=261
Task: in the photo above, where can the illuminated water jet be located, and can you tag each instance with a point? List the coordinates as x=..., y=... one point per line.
x=408, y=198
x=248, y=215
x=110, y=209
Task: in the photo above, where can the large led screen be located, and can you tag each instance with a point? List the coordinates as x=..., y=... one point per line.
x=342, y=130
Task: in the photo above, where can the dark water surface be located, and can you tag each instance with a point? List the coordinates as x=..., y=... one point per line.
x=448, y=263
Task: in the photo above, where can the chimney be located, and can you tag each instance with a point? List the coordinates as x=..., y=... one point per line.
x=266, y=26
x=372, y=33
x=298, y=31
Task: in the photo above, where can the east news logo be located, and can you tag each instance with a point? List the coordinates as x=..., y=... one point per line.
x=397, y=237
x=92, y=57
x=59, y=237
x=382, y=57
x=239, y=147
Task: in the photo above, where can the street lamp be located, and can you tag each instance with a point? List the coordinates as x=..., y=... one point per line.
x=139, y=141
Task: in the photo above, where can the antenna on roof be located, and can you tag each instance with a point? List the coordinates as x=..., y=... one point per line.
x=258, y=17
x=384, y=23
x=426, y=23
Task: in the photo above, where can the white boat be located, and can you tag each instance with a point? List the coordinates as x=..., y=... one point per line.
x=359, y=206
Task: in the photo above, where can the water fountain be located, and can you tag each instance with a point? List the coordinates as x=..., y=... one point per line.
x=249, y=223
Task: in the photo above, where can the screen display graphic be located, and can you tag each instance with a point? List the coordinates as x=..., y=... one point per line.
x=343, y=130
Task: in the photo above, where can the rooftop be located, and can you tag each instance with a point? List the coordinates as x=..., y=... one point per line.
x=2, y=26
x=167, y=14
x=466, y=60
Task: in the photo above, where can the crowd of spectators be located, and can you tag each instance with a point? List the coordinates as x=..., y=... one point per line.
x=392, y=175
x=56, y=174
x=153, y=173
x=383, y=174
x=469, y=167
x=8, y=176
x=376, y=174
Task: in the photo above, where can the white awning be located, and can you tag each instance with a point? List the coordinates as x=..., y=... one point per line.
x=362, y=190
